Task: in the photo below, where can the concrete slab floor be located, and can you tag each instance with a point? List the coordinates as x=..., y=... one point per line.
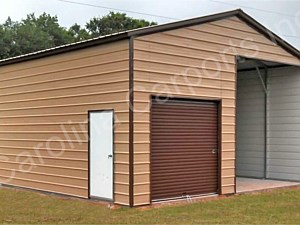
x=250, y=184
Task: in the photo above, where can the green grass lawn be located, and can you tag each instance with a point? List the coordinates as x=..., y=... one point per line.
x=276, y=207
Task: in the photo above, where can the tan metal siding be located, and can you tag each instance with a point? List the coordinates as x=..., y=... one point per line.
x=38, y=97
x=162, y=59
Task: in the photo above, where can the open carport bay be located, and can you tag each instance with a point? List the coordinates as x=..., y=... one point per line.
x=268, y=122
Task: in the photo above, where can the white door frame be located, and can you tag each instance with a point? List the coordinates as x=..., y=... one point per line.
x=89, y=155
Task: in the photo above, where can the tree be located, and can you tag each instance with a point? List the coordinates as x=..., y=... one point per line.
x=78, y=33
x=113, y=23
x=8, y=45
x=37, y=33
x=32, y=34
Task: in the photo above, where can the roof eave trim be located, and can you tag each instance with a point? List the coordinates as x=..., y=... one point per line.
x=184, y=23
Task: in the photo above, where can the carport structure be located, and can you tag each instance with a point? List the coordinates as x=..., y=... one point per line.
x=165, y=112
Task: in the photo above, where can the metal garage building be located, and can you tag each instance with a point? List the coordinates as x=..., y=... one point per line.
x=163, y=112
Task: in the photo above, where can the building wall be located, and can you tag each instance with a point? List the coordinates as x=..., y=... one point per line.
x=284, y=124
x=193, y=62
x=250, y=131
x=43, y=102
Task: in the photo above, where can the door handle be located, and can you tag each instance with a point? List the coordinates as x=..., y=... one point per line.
x=214, y=151
x=110, y=156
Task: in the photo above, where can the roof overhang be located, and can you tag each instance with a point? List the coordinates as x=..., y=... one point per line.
x=248, y=64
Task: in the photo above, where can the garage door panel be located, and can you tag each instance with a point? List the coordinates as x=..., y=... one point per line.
x=174, y=177
x=183, y=185
x=205, y=188
x=183, y=136
x=184, y=111
x=169, y=148
x=183, y=155
x=176, y=167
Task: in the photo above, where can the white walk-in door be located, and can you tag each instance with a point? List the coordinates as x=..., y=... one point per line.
x=101, y=154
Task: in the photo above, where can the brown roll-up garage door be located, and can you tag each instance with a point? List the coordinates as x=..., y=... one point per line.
x=184, y=143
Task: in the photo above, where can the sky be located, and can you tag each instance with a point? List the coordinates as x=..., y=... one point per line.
x=281, y=16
